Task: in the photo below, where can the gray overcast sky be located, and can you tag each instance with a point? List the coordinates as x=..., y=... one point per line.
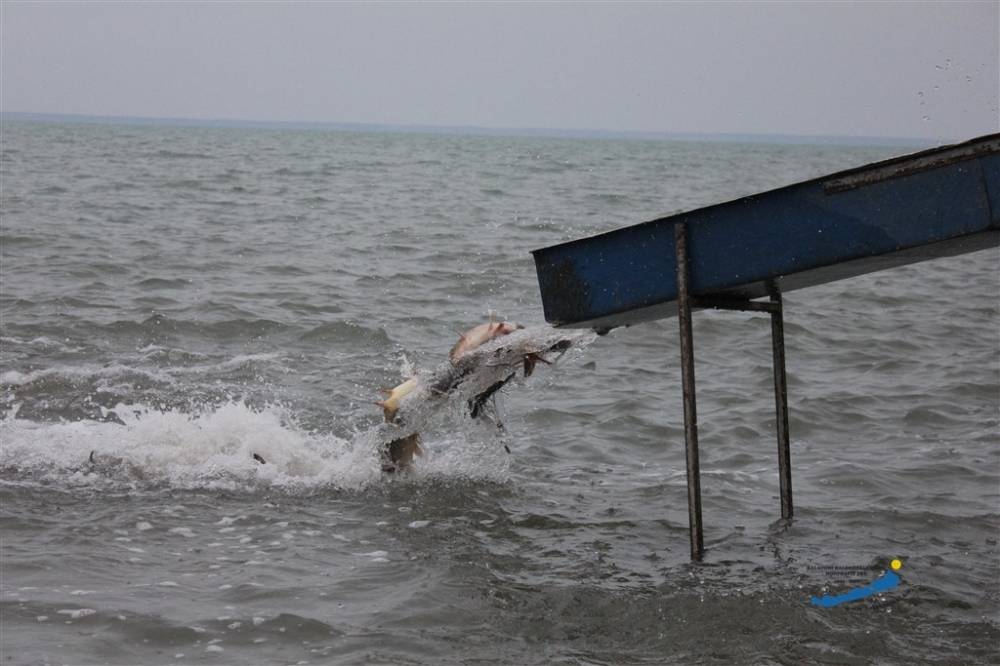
x=897, y=69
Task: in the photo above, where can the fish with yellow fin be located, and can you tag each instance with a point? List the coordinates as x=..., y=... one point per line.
x=483, y=361
x=393, y=396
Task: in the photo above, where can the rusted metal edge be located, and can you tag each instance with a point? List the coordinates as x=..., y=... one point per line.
x=899, y=167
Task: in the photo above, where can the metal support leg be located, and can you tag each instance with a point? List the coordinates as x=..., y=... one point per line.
x=687, y=378
x=781, y=403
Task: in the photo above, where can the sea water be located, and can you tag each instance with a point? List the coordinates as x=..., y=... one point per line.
x=176, y=299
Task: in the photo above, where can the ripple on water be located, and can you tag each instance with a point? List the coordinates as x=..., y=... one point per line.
x=183, y=308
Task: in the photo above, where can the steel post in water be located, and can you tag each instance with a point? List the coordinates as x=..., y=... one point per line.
x=687, y=380
x=781, y=402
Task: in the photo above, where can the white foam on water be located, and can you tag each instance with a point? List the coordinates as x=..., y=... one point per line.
x=224, y=365
x=213, y=449
x=101, y=376
x=41, y=341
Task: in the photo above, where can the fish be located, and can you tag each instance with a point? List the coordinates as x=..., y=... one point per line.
x=473, y=377
x=399, y=453
x=528, y=360
x=393, y=396
x=490, y=361
x=479, y=335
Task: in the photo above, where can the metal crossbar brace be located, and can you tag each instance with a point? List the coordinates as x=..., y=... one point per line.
x=685, y=303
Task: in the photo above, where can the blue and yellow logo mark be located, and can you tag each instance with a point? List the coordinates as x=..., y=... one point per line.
x=887, y=581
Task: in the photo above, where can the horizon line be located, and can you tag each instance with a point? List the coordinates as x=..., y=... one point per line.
x=477, y=130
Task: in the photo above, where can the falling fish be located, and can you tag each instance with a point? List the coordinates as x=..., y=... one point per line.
x=391, y=403
x=472, y=339
x=399, y=453
x=480, y=335
x=485, y=360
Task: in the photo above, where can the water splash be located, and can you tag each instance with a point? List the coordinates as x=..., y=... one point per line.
x=212, y=449
x=214, y=446
x=449, y=391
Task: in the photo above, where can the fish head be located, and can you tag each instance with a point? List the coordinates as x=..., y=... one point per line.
x=505, y=328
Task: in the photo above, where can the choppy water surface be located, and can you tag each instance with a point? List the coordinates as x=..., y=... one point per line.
x=176, y=299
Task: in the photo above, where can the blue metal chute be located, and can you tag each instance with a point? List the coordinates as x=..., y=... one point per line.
x=930, y=204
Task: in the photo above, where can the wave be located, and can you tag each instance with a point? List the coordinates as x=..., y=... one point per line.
x=86, y=375
x=344, y=331
x=159, y=327
x=155, y=375
x=8, y=240
x=174, y=154
x=164, y=283
x=107, y=436
x=159, y=365
x=213, y=449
